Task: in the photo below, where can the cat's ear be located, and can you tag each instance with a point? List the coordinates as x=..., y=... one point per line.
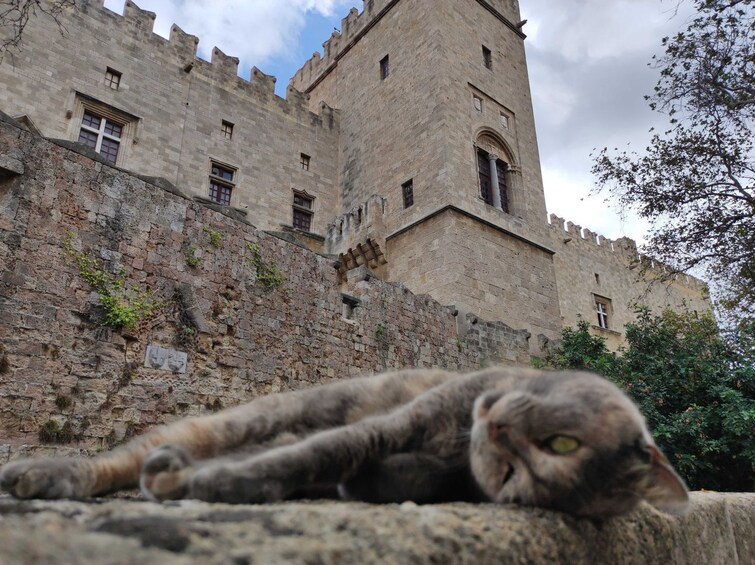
x=665, y=489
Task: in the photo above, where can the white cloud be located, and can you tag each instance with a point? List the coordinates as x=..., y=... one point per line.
x=255, y=31
x=588, y=67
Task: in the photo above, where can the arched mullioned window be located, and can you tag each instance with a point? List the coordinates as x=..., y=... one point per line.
x=492, y=168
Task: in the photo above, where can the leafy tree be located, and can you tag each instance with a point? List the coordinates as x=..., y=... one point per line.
x=15, y=14
x=695, y=181
x=696, y=391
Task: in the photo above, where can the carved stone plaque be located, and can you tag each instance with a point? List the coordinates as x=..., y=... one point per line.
x=165, y=359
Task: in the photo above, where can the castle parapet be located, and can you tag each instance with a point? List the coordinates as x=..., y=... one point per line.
x=184, y=45
x=353, y=27
x=137, y=26
x=142, y=20
x=359, y=223
x=623, y=249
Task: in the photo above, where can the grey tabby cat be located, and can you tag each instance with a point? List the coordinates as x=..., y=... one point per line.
x=567, y=441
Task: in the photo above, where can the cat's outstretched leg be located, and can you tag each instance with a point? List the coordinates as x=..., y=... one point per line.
x=429, y=424
x=75, y=478
x=232, y=430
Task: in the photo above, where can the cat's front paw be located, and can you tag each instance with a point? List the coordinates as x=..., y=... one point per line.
x=44, y=478
x=166, y=473
x=235, y=484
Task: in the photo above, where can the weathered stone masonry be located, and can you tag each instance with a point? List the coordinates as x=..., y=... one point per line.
x=60, y=363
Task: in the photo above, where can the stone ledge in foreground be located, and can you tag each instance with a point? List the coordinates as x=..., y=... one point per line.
x=720, y=528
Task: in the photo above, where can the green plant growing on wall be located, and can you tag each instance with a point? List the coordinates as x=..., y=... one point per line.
x=269, y=276
x=191, y=257
x=216, y=238
x=52, y=432
x=123, y=307
x=63, y=402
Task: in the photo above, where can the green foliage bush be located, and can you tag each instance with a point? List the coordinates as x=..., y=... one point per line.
x=123, y=307
x=696, y=390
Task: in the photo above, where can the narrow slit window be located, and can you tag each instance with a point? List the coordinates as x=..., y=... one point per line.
x=407, y=190
x=487, y=58
x=385, y=68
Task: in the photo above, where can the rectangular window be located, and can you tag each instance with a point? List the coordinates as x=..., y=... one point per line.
x=227, y=129
x=101, y=134
x=304, y=161
x=407, y=190
x=602, y=309
x=221, y=183
x=385, y=68
x=112, y=78
x=302, y=209
x=487, y=57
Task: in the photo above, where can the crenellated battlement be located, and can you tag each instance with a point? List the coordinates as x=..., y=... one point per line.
x=353, y=26
x=623, y=249
x=180, y=49
x=360, y=223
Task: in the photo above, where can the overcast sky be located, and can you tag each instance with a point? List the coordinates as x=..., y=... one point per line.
x=587, y=61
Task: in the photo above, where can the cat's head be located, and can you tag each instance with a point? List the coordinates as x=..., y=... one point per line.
x=571, y=442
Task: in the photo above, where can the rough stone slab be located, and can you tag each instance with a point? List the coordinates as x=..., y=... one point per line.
x=720, y=528
x=9, y=164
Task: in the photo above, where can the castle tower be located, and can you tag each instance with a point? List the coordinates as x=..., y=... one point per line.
x=437, y=122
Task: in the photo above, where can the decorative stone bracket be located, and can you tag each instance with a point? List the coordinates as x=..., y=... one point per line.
x=368, y=253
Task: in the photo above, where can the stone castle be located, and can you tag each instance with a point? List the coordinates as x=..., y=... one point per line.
x=408, y=146
x=396, y=189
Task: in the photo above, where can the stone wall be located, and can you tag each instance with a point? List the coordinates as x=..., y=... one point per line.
x=172, y=105
x=589, y=266
x=217, y=337
x=481, y=269
x=719, y=529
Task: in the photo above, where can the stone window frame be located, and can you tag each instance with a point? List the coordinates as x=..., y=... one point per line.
x=407, y=193
x=502, y=168
x=102, y=135
x=350, y=304
x=113, y=78
x=305, y=161
x=489, y=142
x=487, y=58
x=385, y=67
x=222, y=182
x=128, y=122
x=226, y=129
x=603, y=310
x=302, y=210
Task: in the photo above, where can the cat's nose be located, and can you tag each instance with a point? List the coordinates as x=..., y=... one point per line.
x=498, y=431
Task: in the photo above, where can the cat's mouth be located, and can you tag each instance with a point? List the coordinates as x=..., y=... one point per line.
x=507, y=476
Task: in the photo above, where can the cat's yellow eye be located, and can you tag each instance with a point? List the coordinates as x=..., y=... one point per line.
x=562, y=444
